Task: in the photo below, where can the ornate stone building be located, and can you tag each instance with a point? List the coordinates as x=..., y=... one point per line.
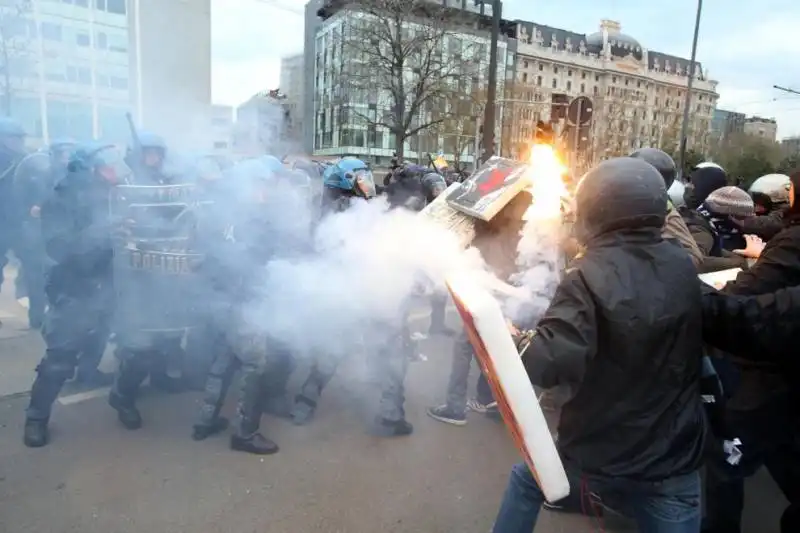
x=637, y=95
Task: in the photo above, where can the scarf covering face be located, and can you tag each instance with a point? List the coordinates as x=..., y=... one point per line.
x=727, y=235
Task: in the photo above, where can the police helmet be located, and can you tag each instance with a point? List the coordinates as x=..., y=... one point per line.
x=661, y=160
x=148, y=139
x=434, y=184
x=11, y=128
x=272, y=163
x=351, y=175
x=61, y=145
x=620, y=193
x=94, y=155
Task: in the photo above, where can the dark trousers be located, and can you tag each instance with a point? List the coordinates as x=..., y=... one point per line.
x=770, y=438
x=75, y=331
x=668, y=506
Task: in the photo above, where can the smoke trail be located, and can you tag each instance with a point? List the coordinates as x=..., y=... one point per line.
x=361, y=269
x=539, y=256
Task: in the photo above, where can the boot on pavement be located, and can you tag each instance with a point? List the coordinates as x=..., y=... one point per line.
x=127, y=413
x=393, y=428
x=256, y=444
x=36, y=434
x=303, y=411
x=203, y=431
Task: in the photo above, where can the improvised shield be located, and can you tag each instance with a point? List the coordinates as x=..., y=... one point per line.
x=156, y=265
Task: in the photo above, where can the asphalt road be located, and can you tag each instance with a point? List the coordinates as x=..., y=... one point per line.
x=331, y=477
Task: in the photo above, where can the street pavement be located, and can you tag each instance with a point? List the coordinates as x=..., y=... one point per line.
x=331, y=476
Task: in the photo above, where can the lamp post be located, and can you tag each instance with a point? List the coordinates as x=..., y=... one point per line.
x=491, y=90
x=687, y=104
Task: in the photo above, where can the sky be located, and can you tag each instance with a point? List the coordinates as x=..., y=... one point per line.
x=747, y=46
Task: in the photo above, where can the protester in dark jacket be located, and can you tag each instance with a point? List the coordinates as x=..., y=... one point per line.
x=771, y=196
x=624, y=330
x=763, y=408
x=704, y=181
x=722, y=210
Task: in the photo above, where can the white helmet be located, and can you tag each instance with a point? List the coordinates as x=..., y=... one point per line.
x=708, y=164
x=775, y=186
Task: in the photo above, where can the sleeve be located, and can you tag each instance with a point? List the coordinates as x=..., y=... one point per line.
x=675, y=228
x=565, y=338
x=752, y=326
x=778, y=264
x=766, y=226
x=705, y=243
x=63, y=237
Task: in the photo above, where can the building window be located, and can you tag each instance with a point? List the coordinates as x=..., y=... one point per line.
x=84, y=76
x=583, y=75
x=82, y=39
x=569, y=86
x=613, y=79
x=555, y=83
x=583, y=88
x=555, y=70
x=101, y=42
x=541, y=67
x=119, y=83
x=539, y=81
x=597, y=77
x=569, y=72
x=51, y=32
x=116, y=6
x=524, y=77
x=525, y=64
x=100, y=4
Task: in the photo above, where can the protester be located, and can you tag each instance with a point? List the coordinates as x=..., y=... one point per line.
x=634, y=429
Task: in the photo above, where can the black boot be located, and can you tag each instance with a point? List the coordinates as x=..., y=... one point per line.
x=394, y=428
x=36, y=434
x=303, y=410
x=203, y=431
x=127, y=412
x=256, y=444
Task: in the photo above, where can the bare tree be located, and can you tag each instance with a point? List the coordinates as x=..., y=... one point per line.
x=15, y=47
x=404, y=65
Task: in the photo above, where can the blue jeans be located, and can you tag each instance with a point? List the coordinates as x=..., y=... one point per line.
x=669, y=506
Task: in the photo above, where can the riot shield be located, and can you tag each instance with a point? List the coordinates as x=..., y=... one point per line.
x=156, y=274
x=34, y=166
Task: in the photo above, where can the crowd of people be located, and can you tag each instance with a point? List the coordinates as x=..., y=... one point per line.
x=663, y=374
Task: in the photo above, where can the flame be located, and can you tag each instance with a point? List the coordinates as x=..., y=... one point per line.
x=546, y=175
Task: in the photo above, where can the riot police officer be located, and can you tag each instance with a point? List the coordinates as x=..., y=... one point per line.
x=241, y=245
x=143, y=354
x=78, y=236
x=12, y=150
x=34, y=179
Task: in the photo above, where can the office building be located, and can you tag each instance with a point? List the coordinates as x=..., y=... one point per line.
x=81, y=65
x=263, y=126
x=791, y=144
x=637, y=95
x=339, y=106
x=763, y=128
x=725, y=124
x=293, y=86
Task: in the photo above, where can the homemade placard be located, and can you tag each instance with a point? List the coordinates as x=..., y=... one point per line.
x=497, y=354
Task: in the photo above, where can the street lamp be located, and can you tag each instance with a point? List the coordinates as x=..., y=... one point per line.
x=687, y=104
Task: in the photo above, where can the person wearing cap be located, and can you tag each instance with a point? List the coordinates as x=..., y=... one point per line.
x=703, y=181
x=771, y=196
x=764, y=408
x=723, y=209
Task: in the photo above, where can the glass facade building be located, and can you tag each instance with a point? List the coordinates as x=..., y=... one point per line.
x=71, y=68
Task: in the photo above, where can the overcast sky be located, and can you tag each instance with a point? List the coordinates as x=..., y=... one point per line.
x=748, y=46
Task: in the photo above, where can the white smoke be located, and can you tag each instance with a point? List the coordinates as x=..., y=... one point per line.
x=363, y=267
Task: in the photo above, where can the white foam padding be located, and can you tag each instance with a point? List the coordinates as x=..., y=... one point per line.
x=491, y=327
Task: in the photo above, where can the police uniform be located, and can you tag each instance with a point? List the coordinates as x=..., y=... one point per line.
x=77, y=234
x=145, y=351
x=240, y=246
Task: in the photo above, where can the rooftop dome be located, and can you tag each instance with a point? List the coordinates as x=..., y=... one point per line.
x=621, y=45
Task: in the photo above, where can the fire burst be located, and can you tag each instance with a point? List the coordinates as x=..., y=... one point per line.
x=546, y=175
